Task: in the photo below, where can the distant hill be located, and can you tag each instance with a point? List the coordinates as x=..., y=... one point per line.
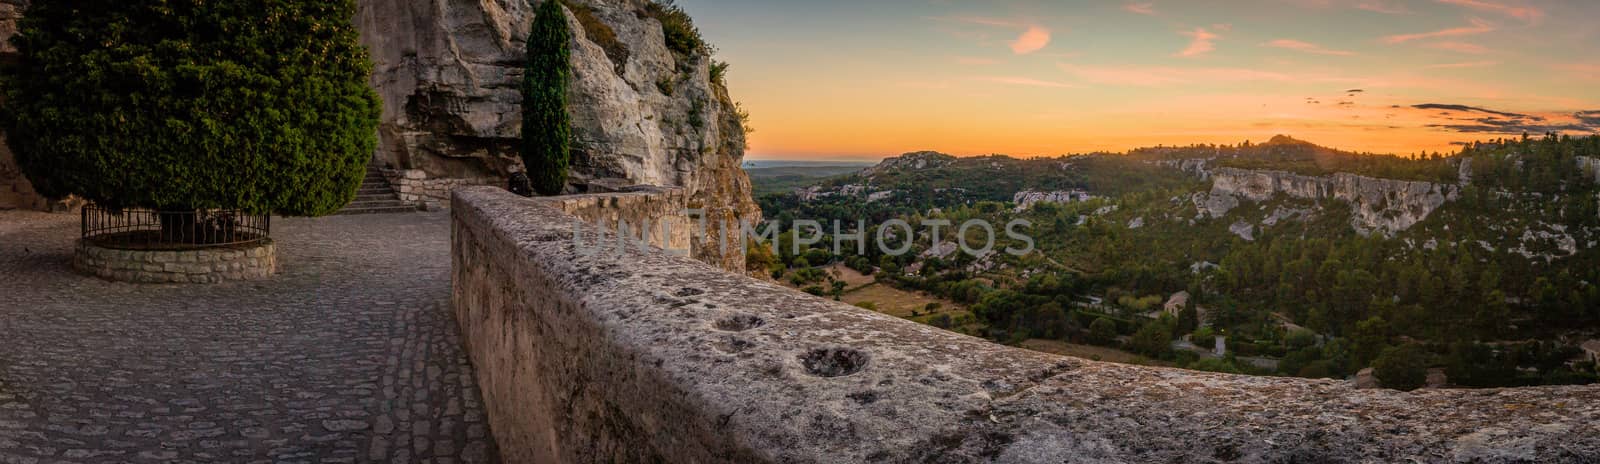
x=1485, y=257
x=801, y=171
x=780, y=179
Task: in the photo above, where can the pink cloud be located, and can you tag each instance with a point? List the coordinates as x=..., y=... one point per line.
x=1382, y=6
x=1306, y=47
x=1201, y=42
x=1478, y=26
x=1026, y=81
x=980, y=20
x=1140, y=8
x=1155, y=76
x=1033, y=39
x=1529, y=14
x=1469, y=64
x=1586, y=71
x=975, y=61
x=1459, y=47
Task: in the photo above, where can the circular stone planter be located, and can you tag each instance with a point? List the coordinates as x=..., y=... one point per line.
x=210, y=265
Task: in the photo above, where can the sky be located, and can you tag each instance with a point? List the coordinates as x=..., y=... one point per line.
x=865, y=79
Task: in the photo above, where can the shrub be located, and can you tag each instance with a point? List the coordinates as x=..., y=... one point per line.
x=181, y=105
x=1215, y=365
x=682, y=36
x=1300, y=338
x=719, y=72
x=600, y=33
x=1402, y=367
x=1102, y=331
x=546, y=125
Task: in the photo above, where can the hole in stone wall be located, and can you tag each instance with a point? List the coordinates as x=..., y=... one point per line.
x=833, y=362
x=739, y=323
x=688, y=291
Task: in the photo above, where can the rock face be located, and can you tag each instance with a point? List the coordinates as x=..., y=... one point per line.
x=1590, y=165
x=15, y=190
x=1378, y=205
x=1027, y=198
x=909, y=161
x=449, y=73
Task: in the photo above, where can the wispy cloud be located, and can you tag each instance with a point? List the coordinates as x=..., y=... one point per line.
x=1306, y=47
x=1140, y=8
x=1525, y=13
x=1587, y=71
x=980, y=20
x=1026, y=81
x=1201, y=42
x=1473, y=119
x=975, y=61
x=1468, y=64
x=1155, y=76
x=1033, y=39
x=1382, y=6
x=1476, y=26
x=1459, y=47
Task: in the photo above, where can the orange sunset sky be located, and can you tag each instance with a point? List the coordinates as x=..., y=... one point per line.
x=866, y=79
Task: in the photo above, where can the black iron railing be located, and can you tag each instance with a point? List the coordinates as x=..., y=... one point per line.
x=148, y=229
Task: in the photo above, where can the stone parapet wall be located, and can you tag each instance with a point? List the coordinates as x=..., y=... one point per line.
x=657, y=214
x=212, y=265
x=639, y=355
x=415, y=186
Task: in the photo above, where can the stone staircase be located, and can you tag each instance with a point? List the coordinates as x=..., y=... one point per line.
x=376, y=196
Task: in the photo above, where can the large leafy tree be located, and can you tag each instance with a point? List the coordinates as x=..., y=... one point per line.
x=546, y=125
x=258, y=105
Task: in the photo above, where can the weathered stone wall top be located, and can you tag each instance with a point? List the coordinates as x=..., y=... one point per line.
x=639, y=355
x=658, y=214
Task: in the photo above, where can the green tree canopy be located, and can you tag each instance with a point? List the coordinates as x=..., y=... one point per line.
x=546, y=125
x=257, y=105
x=1403, y=367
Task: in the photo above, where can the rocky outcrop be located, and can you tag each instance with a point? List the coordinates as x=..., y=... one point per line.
x=909, y=161
x=1378, y=205
x=449, y=71
x=15, y=190
x=1590, y=165
x=1027, y=198
x=1193, y=166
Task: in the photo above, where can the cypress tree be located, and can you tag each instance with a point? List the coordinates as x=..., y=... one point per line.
x=546, y=125
x=256, y=105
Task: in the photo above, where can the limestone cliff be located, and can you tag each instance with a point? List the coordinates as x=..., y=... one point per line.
x=448, y=72
x=15, y=190
x=1377, y=205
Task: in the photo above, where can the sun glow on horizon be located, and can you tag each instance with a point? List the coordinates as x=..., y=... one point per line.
x=865, y=80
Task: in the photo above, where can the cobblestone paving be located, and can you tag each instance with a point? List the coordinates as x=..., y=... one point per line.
x=349, y=355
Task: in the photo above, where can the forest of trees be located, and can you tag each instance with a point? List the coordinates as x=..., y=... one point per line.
x=1314, y=295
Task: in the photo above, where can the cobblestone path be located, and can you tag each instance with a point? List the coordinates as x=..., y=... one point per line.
x=349, y=355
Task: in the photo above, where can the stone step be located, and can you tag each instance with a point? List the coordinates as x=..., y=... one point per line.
x=359, y=203
x=366, y=198
x=375, y=191
x=378, y=210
